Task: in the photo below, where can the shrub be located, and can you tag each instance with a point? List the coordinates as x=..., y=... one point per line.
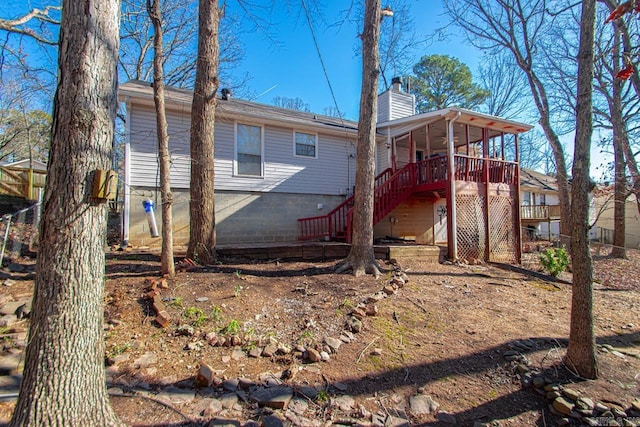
x=555, y=261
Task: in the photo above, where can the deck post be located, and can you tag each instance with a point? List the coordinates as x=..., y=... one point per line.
x=516, y=198
x=451, y=193
x=485, y=178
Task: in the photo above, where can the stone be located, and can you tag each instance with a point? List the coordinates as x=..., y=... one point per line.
x=212, y=338
x=562, y=405
x=344, y=403
x=163, y=319
x=273, y=397
x=229, y=400
x=358, y=313
x=175, y=395
x=270, y=350
x=423, y=404
x=340, y=386
x=245, y=383
x=8, y=320
x=313, y=355
x=446, y=418
x=230, y=384
x=185, y=330
x=255, y=352
x=298, y=405
x=538, y=382
x=202, y=299
x=204, y=376
x=585, y=403
x=271, y=420
x=354, y=325
x=284, y=348
x=601, y=407
x=377, y=351
x=10, y=365
x=391, y=421
x=146, y=360
x=208, y=407
x=371, y=310
x=308, y=392
x=570, y=393
x=389, y=290
x=324, y=356
x=635, y=405
x=237, y=354
x=333, y=343
x=11, y=307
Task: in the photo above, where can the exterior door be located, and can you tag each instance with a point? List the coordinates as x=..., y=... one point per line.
x=440, y=221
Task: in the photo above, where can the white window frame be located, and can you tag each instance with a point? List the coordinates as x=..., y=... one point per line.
x=295, y=153
x=235, y=150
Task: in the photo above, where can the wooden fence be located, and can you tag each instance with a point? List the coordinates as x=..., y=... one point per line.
x=21, y=182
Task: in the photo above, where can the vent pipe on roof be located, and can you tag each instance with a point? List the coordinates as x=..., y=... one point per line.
x=396, y=84
x=226, y=94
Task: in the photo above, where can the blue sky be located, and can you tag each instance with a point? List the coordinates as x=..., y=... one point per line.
x=291, y=67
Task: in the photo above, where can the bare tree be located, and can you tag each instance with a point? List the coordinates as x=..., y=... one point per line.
x=291, y=103
x=513, y=25
x=202, y=226
x=361, y=258
x=64, y=377
x=617, y=113
x=509, y=95
x=581, y=353
x=30, y=24
x=166, y=258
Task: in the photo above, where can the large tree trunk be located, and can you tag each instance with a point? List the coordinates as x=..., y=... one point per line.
x=202, y=225
x=581, y=354
x=166, y=257
x=64, y=378
x=361, y=258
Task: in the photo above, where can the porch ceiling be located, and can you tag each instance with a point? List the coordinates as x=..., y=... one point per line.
x=437, y=121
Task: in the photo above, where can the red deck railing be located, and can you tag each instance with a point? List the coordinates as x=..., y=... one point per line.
x=393, y=188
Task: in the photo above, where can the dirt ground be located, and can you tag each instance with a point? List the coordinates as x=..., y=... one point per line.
x=443, y=334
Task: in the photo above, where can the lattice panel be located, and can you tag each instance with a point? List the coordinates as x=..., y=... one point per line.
x=502, y=233
x=470, y=231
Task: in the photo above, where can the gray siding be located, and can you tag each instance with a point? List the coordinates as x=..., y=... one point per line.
x=331, y=173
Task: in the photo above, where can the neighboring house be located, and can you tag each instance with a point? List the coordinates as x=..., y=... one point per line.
x=604, y=225
x=443, y=177
x=540, y=210
x=540, y=205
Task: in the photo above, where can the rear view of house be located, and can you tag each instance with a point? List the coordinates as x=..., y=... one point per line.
x=447, y=177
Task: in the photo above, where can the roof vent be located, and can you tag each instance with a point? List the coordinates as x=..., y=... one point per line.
x=226, y=94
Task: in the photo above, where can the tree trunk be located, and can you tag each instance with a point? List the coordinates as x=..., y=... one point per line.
x=64, y=378
x=619, y=135
x=166, y=257
x=202, y=226
x=361, y=258
x=581, y=354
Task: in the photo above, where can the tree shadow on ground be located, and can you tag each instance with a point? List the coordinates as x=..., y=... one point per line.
x=489, y=367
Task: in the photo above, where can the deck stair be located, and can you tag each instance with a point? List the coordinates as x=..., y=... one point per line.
x=390, y=190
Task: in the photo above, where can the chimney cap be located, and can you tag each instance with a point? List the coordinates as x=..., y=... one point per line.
x=396, y=80
x=226, y=93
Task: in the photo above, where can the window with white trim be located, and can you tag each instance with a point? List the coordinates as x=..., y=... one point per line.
x=248, y=150
x=305, y=144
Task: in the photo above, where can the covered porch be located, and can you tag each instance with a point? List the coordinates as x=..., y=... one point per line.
x=453, y=174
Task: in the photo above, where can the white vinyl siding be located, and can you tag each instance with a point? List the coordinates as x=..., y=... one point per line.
x=332, y=173
x=249, y=150
x=305, y=144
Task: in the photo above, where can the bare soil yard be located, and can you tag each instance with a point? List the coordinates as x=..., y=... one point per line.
x=470, y=338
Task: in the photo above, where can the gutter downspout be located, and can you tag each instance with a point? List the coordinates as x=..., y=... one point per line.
x=126, y=215
x=451, y=200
